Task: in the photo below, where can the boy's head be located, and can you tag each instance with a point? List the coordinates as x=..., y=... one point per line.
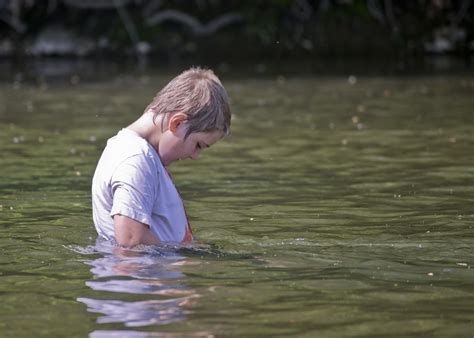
x=199, y=95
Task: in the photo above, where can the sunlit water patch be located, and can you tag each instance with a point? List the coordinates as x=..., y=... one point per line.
x=338, y=207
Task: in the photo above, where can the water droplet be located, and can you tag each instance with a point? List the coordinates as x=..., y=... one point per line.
x=260, y=68
x=75, y=79
x=280, y=80
x=29, y=106
x=307, y=44
x=352, y=80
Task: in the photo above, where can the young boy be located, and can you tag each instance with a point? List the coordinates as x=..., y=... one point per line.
x=133, y=198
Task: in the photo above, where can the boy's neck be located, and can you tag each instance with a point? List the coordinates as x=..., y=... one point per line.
x=148, y=129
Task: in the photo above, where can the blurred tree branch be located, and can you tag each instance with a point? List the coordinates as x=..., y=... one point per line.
x=197, y=28
x=463, y=10
x=97, y=4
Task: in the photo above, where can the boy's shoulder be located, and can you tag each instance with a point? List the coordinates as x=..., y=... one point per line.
x=127, y=144
x=128, y=140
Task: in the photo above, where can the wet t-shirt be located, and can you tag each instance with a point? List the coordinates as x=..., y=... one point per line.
x=131, y=180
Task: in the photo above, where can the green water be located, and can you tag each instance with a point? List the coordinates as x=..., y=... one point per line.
x=334, y=209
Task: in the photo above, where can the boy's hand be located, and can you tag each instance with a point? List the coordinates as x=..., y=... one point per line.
x=129, y=232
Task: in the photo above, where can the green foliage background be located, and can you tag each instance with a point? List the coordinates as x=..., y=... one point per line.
x=287, y=28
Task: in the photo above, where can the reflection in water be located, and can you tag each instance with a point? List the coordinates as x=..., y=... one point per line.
x=152, y=312
x=147, y=270
x=139, y=334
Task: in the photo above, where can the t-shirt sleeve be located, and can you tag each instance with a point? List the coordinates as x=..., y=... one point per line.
x=133, y=189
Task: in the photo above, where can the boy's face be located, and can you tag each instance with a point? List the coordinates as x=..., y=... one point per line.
x=173, y=146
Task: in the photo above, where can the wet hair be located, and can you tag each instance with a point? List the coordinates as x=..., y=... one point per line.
x=199, y=94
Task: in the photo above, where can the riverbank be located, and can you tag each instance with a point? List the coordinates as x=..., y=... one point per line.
x=42, y=70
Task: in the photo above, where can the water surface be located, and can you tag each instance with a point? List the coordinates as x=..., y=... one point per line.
x=340, y=206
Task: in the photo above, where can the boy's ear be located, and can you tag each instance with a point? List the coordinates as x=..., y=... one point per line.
x=175, y=121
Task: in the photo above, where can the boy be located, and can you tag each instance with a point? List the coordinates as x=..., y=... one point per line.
x=133, y=198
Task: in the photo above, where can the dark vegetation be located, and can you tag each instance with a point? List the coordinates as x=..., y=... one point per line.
x=177, y=29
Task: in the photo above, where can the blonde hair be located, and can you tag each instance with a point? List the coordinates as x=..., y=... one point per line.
x=199, y=94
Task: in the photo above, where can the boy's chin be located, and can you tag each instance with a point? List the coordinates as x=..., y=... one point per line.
x=168, y=163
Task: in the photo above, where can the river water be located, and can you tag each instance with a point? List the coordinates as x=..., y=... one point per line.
x=339, y=206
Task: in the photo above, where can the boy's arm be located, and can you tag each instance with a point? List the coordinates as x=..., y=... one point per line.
x=129, y=232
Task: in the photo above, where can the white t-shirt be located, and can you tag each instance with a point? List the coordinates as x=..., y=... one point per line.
x=131, y=180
